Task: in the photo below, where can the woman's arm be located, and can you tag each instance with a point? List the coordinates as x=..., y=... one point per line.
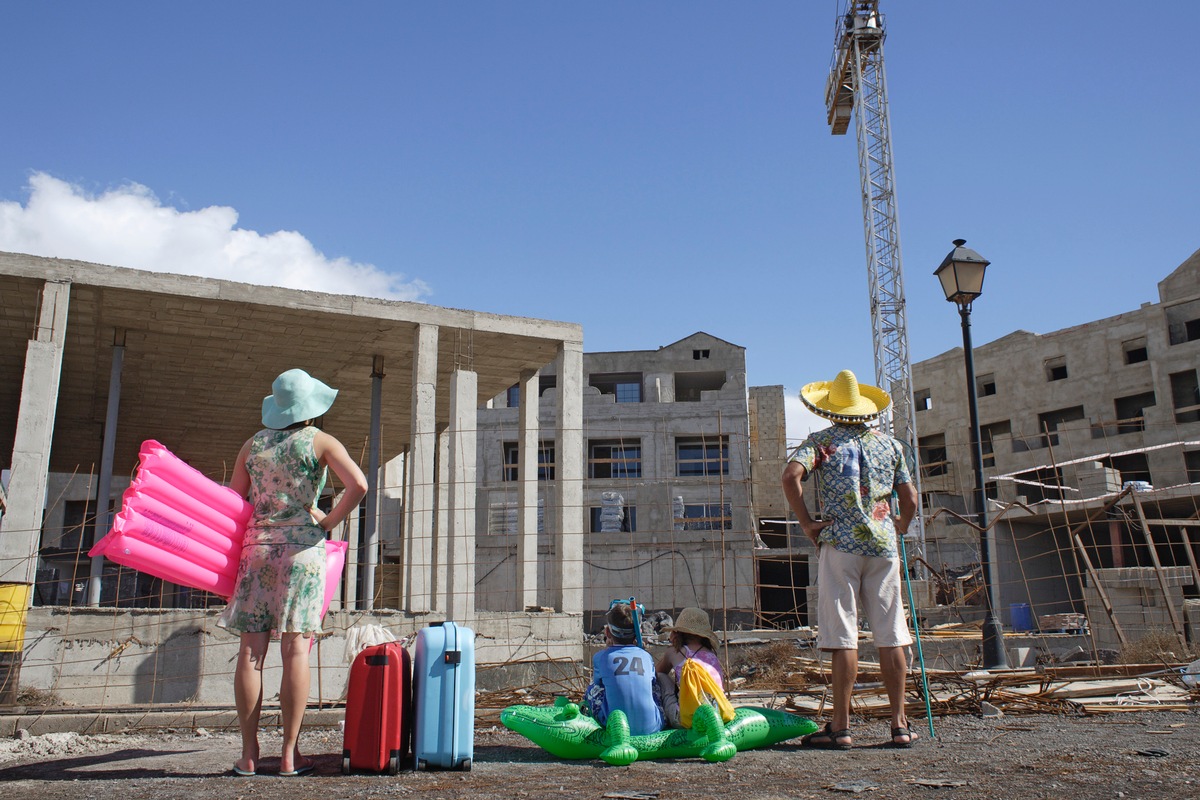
x=240, y=480
x=333, y=455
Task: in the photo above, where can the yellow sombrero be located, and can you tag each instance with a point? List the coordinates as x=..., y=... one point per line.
x=844, y=399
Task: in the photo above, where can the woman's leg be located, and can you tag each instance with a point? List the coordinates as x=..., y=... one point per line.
x=247, y=694
x=293, y=697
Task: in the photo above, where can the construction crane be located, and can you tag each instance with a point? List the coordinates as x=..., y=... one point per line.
x=857, y=88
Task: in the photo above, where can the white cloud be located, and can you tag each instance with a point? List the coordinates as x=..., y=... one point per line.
x=129, y=227
x=799, y=421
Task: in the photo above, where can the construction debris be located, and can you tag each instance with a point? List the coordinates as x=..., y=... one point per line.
x=1095, y=689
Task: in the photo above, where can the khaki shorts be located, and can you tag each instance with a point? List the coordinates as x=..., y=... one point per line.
x=848, y=584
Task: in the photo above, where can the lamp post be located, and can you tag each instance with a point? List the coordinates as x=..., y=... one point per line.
x=961, y=275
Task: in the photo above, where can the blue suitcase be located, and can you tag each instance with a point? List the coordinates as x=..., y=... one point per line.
x=444, y=697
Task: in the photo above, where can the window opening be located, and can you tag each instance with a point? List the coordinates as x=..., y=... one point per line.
x=613, y=519
x=512, y=461
x=706, y=517
x=1056, y=368
x=1191, y=462
x=933, y=455
x=1131, y=412
x=1185, y=394
x=625, y=386
x=988, y=434
x=1135, y=351
x=689, y=385
x=985, y=385
x=1132, y=466
x=614, y=459
x=1050, y=421
x=698, y=456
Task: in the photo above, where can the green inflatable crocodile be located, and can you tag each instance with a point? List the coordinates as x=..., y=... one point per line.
x=564, y=731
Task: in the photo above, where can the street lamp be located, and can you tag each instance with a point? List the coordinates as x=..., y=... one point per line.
x=961, y=275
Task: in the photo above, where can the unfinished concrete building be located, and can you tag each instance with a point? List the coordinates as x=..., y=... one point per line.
x=97, y=359
x=668, y=506
x=1091, y=452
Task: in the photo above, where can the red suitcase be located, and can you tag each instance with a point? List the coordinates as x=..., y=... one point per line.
x=378, y=710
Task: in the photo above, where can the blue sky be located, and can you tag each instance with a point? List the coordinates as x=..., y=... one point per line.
x=645, y=169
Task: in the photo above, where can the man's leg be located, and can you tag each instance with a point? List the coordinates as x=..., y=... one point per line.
x=894, y=665
x=845, y=673
x=882, y=580
x=837, y=634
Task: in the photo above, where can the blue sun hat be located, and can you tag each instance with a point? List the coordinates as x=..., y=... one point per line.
x=295, y=396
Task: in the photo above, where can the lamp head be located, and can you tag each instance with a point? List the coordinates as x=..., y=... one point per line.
x=961, y=274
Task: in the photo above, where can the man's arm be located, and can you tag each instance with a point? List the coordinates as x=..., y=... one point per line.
x=793, y=474
x=906, y=494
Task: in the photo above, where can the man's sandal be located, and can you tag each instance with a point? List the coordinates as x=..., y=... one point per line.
x=828, y=739
x=907, y=732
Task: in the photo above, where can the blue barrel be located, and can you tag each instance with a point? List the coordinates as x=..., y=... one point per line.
x=1022, y=616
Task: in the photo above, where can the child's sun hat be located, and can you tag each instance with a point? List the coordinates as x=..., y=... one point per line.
x=695, y=622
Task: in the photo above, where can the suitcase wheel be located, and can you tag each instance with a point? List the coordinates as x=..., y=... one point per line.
x=393, y=767
x=345, y=765
x=422, y=764
x=466, y=765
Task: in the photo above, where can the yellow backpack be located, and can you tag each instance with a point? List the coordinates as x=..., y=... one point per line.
x=697, y=686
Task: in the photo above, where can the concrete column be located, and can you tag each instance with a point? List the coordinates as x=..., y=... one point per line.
x=104, y=488
x=370, y=549
x=418, y=514
x=350, y=574
x=464, y=403
x=439, y=569
x=527, y=493
x=568, y=476
x=21, y=526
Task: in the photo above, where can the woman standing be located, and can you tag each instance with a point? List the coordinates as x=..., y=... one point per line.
x=281, y=576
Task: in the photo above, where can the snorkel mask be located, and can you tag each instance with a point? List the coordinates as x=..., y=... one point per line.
x=636, y=611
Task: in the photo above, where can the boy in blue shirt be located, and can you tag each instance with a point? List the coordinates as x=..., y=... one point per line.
x=623, y=676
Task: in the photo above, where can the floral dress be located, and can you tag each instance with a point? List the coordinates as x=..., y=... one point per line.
x=281, y=576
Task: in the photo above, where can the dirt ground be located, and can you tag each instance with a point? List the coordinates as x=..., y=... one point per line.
x=1128, y=755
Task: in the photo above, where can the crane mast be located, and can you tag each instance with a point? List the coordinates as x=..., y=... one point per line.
x=857, y=88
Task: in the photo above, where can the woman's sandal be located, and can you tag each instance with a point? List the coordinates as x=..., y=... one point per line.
x=827, y=739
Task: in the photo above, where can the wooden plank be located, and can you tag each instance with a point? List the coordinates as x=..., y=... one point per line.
x=1091, y=571
x=1105, y=670
x=1191, y=556
x=1158, y=572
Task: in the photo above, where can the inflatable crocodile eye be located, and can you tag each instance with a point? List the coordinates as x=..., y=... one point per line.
x=177, y=524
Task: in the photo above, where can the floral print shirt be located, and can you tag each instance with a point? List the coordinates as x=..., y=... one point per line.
x=857, y=467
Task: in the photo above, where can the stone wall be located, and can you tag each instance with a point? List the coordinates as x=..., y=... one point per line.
x=109, y=657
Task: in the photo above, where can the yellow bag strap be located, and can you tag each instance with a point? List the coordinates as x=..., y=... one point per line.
x=697, y=686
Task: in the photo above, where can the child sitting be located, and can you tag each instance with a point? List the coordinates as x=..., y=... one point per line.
x=623, y=675
x=690, y=673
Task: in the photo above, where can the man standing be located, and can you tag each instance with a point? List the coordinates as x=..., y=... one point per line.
x=858, y=567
